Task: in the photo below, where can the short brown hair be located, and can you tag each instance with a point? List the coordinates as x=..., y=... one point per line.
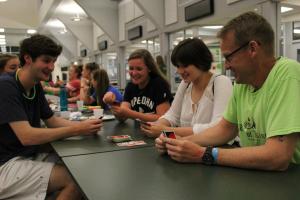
x=192, y=51
x=38, y=45
x=250, y=26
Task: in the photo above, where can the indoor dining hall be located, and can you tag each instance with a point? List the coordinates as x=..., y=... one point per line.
x=152, y=100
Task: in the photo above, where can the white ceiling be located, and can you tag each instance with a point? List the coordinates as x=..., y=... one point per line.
x=16, y=16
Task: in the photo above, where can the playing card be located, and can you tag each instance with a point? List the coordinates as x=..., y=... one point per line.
x=131, y=143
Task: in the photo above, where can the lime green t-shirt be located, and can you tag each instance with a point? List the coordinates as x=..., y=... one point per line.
x=272, y=110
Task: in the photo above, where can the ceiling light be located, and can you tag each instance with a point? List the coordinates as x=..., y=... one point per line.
x=284, y=9
x=213, y=27
x=31, y=31
x=63, y=31
x=3, y=0
x=2, y=36
x=2, y=39
x=76, y=18
x=2, y=42
x=2, y=30
x=55, y=23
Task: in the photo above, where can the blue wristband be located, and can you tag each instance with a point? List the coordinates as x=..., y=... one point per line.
x=215, y=152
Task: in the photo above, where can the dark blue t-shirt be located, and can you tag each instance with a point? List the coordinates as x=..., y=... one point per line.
x=147, y=99
x=15, y=107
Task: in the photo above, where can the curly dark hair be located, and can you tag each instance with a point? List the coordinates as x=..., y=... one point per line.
x=38, y=45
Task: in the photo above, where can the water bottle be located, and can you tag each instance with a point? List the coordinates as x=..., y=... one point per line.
x=63, y=98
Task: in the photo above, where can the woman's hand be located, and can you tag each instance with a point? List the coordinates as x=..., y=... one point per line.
x=152, y=129
x=109, y=98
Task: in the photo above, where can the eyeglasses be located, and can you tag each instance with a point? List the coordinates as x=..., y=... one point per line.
x=227, y=57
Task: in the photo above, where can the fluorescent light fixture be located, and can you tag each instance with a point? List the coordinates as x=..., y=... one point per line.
x=2, y=30
x=213, y=27
x=179, y=38
x=296, y=30
x=2, y=36
x=144, y=42
x=63, y=31
x=31, y=31
x=2, y=42
x=3, y=0
x=284, y=9
x=70, y=8
x=76, y=18
x=75, y=63
x=2, y=39
x=55, y=23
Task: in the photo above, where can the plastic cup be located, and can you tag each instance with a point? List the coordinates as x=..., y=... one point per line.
x=79, y=105
x=98, y=113
x=65, y=114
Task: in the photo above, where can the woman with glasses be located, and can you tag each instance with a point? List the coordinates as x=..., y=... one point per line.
x=201, y=97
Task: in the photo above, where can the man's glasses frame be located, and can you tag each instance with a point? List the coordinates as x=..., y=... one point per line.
x=227, y=57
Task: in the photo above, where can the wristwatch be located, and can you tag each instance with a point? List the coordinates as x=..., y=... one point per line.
x=208, y=158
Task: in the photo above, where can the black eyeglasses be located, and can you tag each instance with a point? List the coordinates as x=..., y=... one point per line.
x=227, y=57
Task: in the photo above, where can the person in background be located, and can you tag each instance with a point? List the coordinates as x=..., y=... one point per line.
x=161, y=64
x=85, y=82
x=101, y=85
x=263, y=109
x=73, y=86
x=201, y=97
x=147, y=96
x=9, y=63
x=27, y=171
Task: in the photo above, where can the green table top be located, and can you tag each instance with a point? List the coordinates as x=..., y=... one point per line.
x=144, y=174
x=80, y=145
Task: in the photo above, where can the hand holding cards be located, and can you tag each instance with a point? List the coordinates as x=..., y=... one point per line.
x=143, y=122
x=169, y=134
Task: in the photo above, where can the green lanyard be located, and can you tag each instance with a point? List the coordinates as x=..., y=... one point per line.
x=24, y=95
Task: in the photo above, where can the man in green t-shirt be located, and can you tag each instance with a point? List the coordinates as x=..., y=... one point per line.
x=263, y=109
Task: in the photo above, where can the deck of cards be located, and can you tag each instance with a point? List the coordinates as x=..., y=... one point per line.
x=119, y=138
x=131, y=143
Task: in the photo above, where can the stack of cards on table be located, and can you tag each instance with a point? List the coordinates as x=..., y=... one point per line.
x=125, y=140
x=119, y=138
x=131, y=143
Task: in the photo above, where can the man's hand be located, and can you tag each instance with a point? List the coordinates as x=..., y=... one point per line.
x=88, y=127
x=183, y=150
x=160, y=144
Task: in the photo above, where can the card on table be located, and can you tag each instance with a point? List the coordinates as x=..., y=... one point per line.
x=131, y=143
x=119, y=138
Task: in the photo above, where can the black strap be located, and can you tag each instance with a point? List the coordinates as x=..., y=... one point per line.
x=213, y=87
